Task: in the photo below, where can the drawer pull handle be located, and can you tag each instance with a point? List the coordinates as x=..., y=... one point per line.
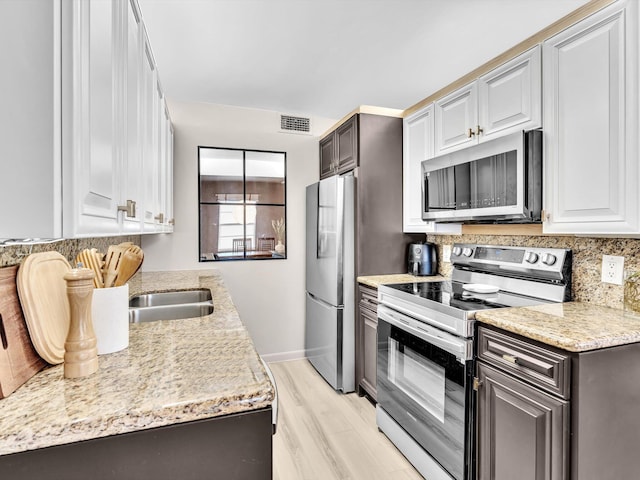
x=510, y=359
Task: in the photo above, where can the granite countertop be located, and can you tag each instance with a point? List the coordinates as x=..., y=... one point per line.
x=572, y=326
x=376, y=280
x=172, y=372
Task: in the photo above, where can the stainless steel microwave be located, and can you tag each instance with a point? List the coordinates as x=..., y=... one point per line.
x=499, y=181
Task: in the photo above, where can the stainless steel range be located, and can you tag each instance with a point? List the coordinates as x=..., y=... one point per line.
x=425, y=348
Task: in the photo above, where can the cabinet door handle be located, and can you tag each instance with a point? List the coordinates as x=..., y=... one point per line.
x=510, y=358
x=479, y=130
x=546, y=216
x=470, y=133
x=129, y=208
x=477, y=383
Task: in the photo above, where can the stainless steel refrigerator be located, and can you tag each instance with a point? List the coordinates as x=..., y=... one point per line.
x=330, y=280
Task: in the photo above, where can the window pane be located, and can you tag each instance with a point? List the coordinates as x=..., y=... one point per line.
x=270, y=229
x=222, y=231
x=221, y=175
x=209, y=219
x=265, y=177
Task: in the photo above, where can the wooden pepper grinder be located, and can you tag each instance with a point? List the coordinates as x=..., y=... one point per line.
x=81, y=352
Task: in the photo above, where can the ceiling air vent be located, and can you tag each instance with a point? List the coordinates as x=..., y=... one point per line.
x=291, y=124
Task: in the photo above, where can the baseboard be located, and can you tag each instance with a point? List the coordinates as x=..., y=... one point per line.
x=284, y=356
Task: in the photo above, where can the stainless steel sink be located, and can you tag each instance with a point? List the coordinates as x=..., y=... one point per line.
x=152, y=307
x=169, y=312
x=170, y=298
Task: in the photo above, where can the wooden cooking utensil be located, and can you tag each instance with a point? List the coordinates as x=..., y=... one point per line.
x=114, y=254
x=18, y=359
x=130, y=263
x=97, y=264
x=92, y=259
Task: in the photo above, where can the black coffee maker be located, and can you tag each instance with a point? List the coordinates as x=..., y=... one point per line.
x=422, y=259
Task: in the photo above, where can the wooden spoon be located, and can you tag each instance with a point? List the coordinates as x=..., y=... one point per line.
x=130, y=263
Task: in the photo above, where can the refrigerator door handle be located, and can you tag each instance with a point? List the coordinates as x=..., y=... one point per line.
x=318, y=299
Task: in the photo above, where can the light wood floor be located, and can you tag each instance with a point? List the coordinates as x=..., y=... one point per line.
x=325, y=435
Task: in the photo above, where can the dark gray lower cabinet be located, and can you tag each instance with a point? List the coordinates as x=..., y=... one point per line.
x=545, y=413
x=231, y=447
x=522, y=432
x=366, y=341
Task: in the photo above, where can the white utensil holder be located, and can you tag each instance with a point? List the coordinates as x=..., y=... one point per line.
x=110, y=314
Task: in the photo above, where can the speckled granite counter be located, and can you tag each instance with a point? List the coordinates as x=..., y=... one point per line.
x=376, y=280
x=172, y=372
x=572, y=326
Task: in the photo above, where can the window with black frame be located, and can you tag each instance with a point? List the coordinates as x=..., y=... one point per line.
x=242, y=197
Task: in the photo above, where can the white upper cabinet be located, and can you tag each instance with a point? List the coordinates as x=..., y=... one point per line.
x=84, y=118
x=90, y=155
x=591, y=124
x=510, y=97
x=149, y=132
x=417, y=147
x=456, y=117
x=131, y=194
x=166, y=178
x=505, y=100
x=30, y=146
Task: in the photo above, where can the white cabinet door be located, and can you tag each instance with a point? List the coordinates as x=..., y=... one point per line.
x=150, y=141
x=591, y=124
x=456, y=118
x=132, y=181
x=418, y=146
x=510, y=96
x=169, y=182
x=90, y=159
x=161, y=200
x=30, y=147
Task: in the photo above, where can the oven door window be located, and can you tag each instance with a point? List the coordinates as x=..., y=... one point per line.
x=417, y=377
x=424, y=389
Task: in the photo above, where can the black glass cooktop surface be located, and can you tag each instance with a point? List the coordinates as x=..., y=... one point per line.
x=454, y=295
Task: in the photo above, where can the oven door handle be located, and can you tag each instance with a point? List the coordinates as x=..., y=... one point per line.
x=460, y=347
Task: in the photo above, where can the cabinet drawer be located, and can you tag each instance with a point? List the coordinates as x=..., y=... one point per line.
x=542, y=367
x=369, y=298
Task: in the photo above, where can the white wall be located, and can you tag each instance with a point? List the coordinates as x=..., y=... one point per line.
x=269, y=295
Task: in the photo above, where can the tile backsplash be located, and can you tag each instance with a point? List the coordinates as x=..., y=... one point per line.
x=14, y=254
x=587, y=260
x=587, y=257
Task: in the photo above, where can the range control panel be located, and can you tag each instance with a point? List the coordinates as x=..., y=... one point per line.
x=515, y=259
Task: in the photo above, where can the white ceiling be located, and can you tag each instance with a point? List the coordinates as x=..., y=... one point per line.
x=326, y=57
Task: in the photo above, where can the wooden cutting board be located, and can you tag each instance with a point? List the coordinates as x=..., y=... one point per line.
x=43, y=295
x=18, y=359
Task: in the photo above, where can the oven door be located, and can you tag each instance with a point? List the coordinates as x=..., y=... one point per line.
x=424, y=383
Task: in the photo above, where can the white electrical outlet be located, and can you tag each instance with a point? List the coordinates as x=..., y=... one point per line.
x=612, y=269
x=446, y=253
